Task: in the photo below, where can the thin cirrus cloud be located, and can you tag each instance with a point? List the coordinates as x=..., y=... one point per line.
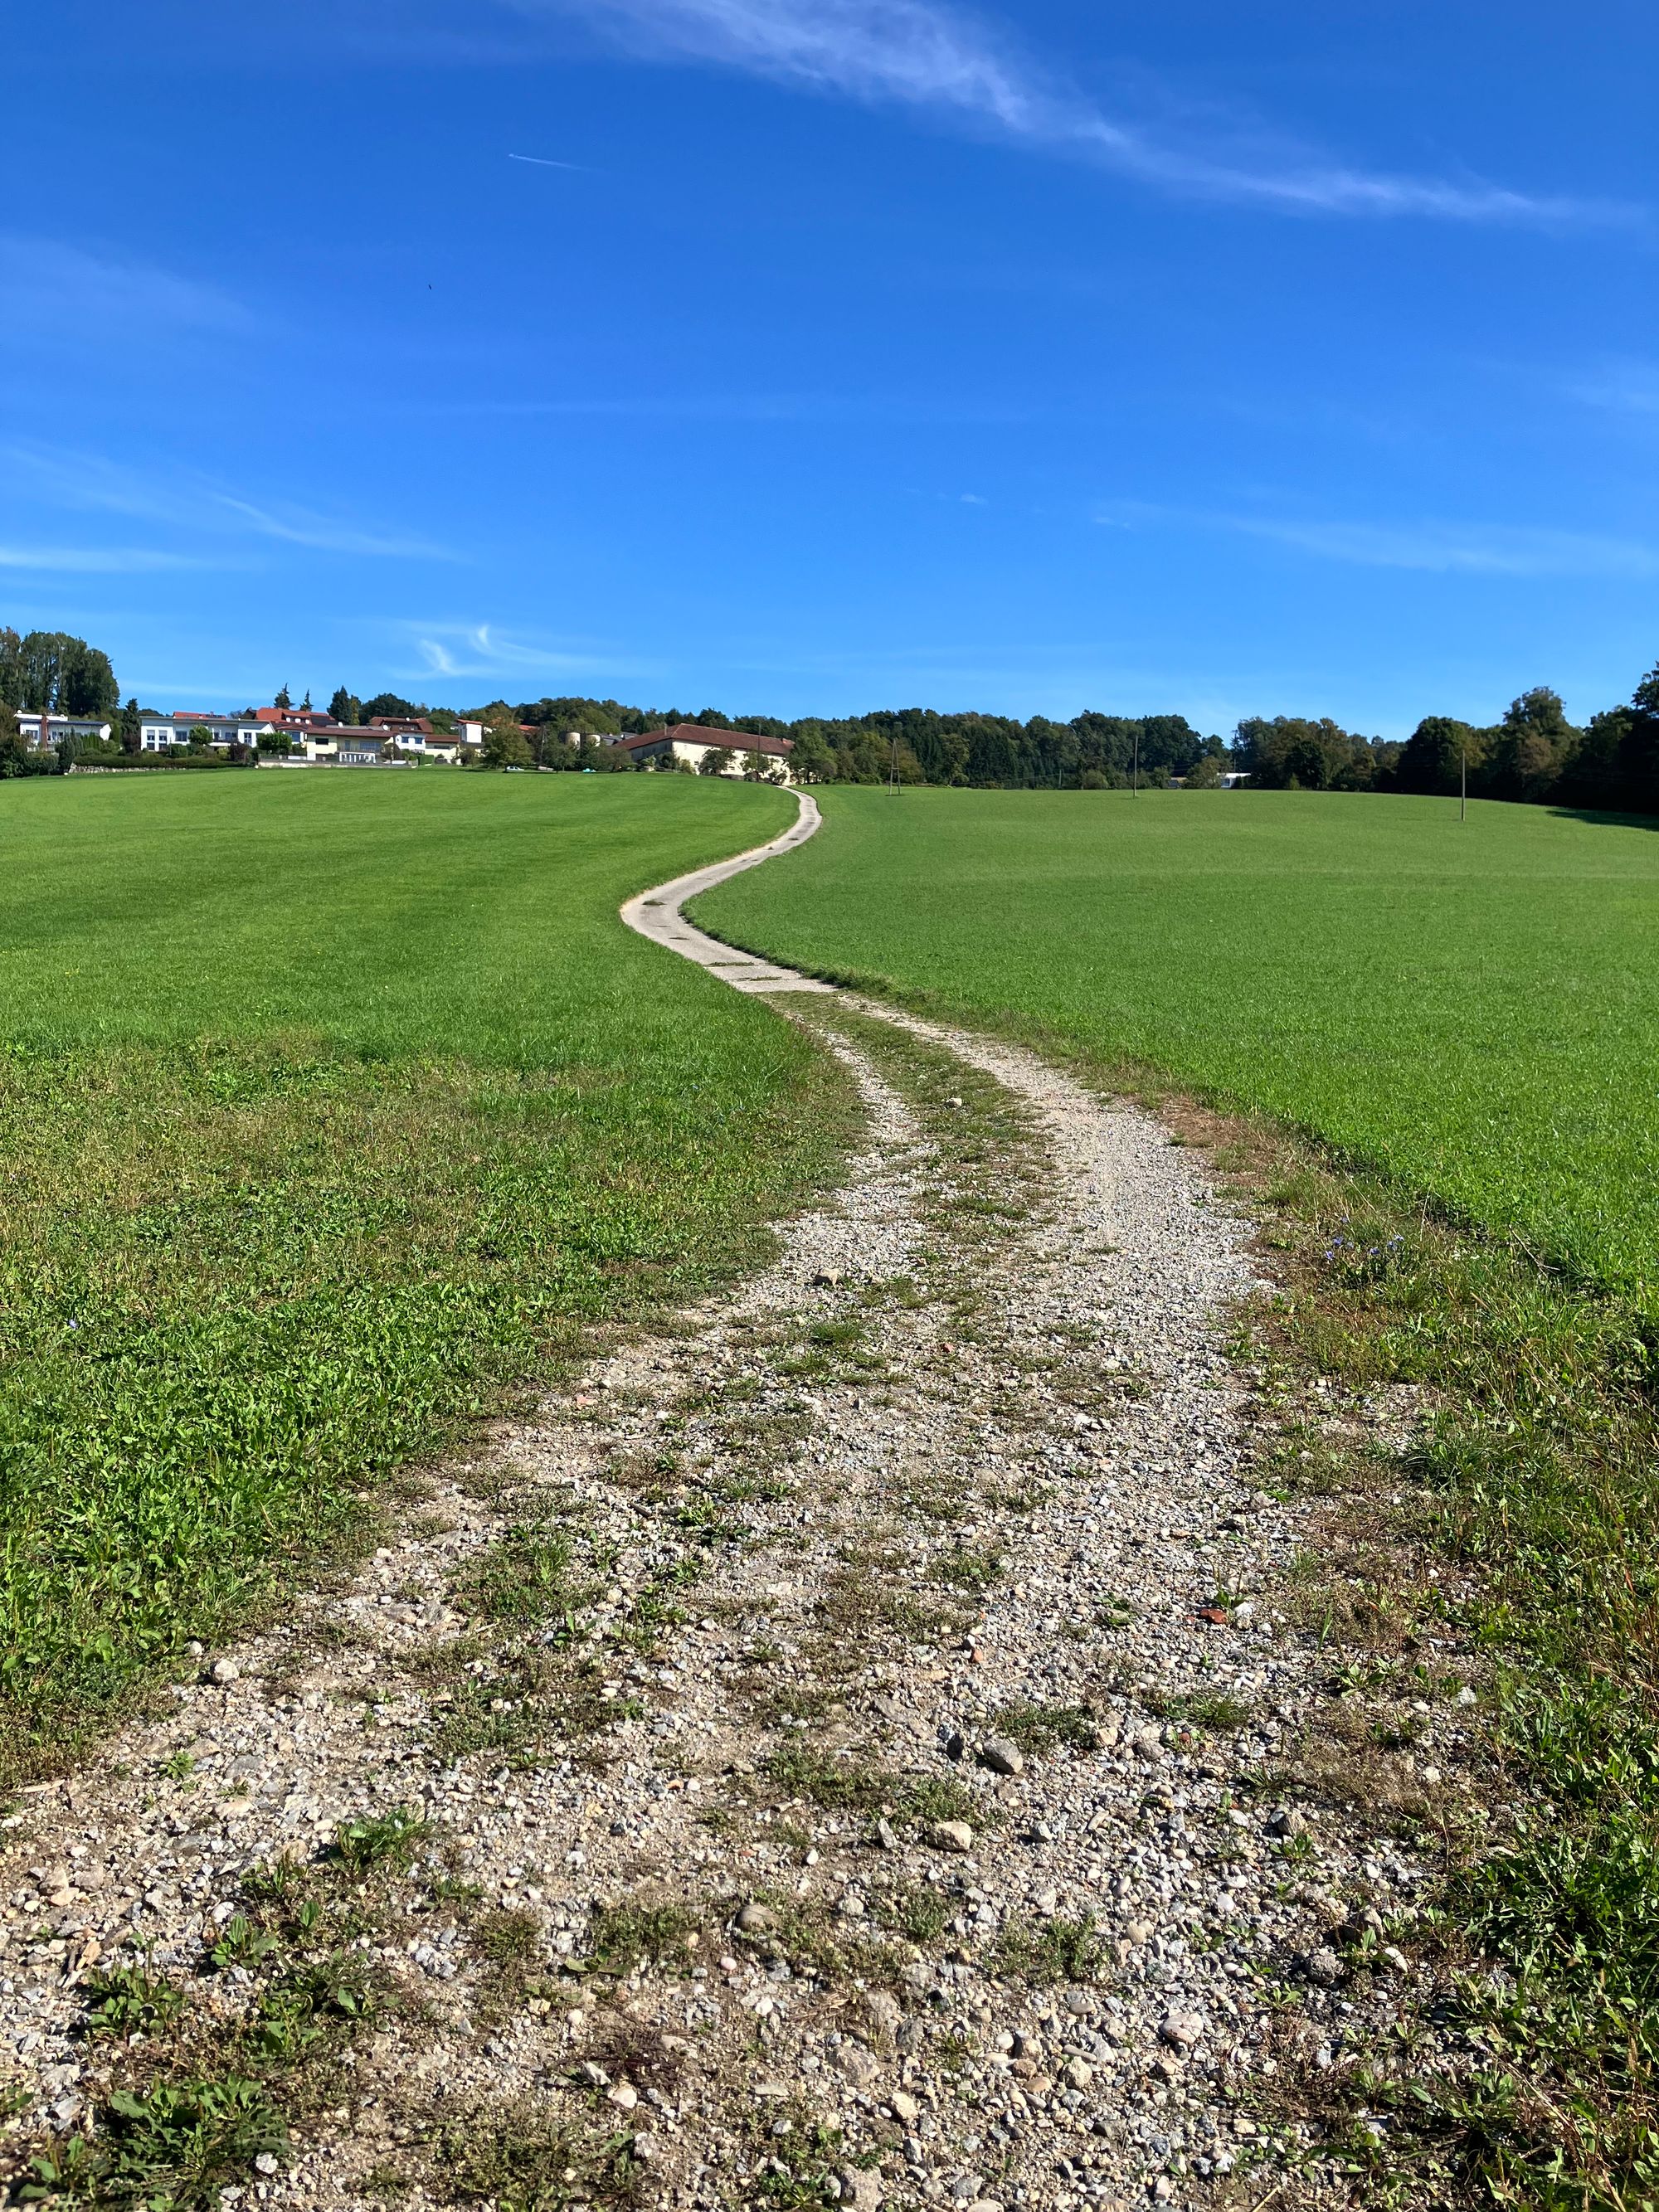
x=478, y=649
x=46, y=284
x=92, y=560
x=1622, y=388
x=189, y=501
x=1514, y=550
x=923, y=55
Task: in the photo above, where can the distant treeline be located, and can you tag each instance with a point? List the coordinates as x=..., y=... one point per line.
x=1532, y=753
x=1093, y=752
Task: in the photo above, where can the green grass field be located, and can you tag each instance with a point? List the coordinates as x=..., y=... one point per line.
x=333, y=1107
x=1473, y=1008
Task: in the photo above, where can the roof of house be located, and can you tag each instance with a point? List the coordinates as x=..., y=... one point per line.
x=693, y=733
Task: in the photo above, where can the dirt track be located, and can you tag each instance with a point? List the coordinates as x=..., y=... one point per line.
x=823, y=1754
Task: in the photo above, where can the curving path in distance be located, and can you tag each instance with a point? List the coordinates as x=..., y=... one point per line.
x=656, y=915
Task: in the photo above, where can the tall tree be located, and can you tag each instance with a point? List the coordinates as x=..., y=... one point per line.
x=13, y=753
x=505, y=746
x=1531, y=747
x=282, y=699
x=51, y=672
x=1638, y=756
x=1431, y=759
x=344, y=709
x=1291, y=753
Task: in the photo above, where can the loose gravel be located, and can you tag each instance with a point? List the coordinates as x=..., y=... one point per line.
x=829, y=1753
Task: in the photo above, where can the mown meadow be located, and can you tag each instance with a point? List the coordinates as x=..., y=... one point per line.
x=335, y=1107
x=1437, y=1046
x=1473, y=1008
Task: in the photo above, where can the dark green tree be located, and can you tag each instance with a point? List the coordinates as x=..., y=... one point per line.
x=1616, y=764
x=51, y=673
x=506, y=746
x=1638, y=753
x=282, y=699
x=1291, y=753
x=812, y=761
x=1430, y=760
x=16, y=757
x=344, y=709
x=1530, y=747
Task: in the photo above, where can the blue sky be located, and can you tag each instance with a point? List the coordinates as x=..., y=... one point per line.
x=821, y=354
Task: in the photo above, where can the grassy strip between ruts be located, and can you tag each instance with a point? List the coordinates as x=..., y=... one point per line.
x=282, y=1214
x=1534, y=1481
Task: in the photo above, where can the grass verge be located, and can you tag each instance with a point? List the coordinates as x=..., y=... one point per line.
x=1517, y=1531
x=336, y=1112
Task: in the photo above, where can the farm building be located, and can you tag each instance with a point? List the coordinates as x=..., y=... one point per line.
x=689, y=744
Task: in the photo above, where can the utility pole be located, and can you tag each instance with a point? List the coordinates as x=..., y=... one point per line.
x=1134, y=780
x=892, y=769
x=1463, y=780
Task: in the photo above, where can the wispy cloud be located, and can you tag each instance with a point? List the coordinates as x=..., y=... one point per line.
x=1443, y=549
x=1434, y=547
x=479, y=649
x=187, y=499
x=49, y=287
x=540, y=161
x=91, y=560
x=1628, y=387
x=926, y=55
x=298, y=525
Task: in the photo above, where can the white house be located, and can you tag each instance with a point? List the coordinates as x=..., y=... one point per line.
x=157, y=733
x=49, y=731
x=310, y=736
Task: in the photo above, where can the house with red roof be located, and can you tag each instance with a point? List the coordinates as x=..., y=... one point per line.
x=689, y=744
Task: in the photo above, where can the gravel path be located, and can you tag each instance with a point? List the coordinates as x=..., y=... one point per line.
x=820, y=1757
